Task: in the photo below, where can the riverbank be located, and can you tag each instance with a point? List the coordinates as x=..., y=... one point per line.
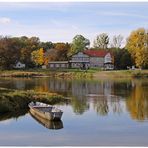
x=72, y=73
x=14, y=100
x=121, y=74
x=75, y=73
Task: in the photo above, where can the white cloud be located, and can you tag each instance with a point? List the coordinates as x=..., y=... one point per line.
x=5, y=20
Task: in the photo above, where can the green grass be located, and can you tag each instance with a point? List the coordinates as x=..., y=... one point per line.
x=14, y=100
x=73, y=73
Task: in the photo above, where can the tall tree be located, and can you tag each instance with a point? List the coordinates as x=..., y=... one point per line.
x=117, y=41
x=79, y=43
x=9, y=52
x=122, y=58
x=38, y=57
x=137, y=44
x=62, y=50
x=101, y=41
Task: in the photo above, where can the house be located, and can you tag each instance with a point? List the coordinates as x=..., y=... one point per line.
x=79, y=60
x=19, y=65
x=93, y=58
x=58, y=64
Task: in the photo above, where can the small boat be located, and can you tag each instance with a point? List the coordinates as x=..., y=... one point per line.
x=54, y=125
x=45, y=111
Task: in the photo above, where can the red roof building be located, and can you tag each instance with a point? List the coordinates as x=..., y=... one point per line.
x=93, y=58
x=96, y=53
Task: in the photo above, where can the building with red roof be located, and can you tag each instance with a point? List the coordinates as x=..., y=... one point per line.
x=93, y=58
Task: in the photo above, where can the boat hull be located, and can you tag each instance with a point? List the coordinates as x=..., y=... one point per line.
x=55, y=125
x=46, y=112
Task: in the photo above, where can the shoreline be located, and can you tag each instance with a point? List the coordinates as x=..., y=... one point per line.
x=71, y=74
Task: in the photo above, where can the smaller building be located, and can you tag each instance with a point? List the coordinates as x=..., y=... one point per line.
x=58, y=64
x=19, y=65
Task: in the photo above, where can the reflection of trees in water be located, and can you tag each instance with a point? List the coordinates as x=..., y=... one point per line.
x=105, y=104
x=137, y=103
x=101, y=107
x=79, y=105
x=122, y=88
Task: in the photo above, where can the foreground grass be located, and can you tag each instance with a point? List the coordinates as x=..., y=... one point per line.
x=14, y=100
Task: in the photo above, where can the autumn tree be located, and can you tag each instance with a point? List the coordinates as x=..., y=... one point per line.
x=50, y=55
x=62, y=50
x=117, y=41
x=38, y=57
x=9, y=52
x=137, y=45
x=28, y=46
x=79, y=43
x=101, y=41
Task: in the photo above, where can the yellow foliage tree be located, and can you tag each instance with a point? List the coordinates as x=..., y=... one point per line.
x=38, y=57
x=137, y=44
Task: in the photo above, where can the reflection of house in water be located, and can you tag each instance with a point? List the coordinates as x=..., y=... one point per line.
x=20, y=84
x=80, y=88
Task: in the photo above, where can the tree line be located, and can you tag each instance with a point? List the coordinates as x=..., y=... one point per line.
x=35, y=53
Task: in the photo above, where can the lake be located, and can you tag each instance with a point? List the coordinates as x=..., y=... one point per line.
x=105, y=112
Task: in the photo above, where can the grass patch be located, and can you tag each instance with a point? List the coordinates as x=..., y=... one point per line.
x=14, y=100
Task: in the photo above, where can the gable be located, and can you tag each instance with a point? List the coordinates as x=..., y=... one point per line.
x=80, y=55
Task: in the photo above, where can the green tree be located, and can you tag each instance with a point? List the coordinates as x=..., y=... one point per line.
x=79, y=43
x=122, y=58
x=101, y=41
x=137, y=45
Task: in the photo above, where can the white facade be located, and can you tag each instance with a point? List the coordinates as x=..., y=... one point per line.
x=78, y=59
x=19, y=65
x=108, y=58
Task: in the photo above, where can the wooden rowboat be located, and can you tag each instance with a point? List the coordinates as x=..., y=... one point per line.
x=45, y=111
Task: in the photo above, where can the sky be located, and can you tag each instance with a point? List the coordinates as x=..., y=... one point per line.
x=61, y=21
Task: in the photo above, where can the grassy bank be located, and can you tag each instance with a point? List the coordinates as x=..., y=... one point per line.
x=14, y=100
x=65, y=73
x=75, y=73
x=122, y=74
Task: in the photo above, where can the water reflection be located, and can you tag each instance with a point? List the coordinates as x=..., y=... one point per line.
x=137, y=102
x=16, y=115
x=107, y=96
x=46, y=123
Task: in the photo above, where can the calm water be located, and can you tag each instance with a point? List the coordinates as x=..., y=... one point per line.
x=101, y=113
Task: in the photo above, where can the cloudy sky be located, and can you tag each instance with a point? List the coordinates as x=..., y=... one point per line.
x=60, y=22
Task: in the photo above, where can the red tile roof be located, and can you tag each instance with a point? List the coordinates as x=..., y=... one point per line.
x=96, y=53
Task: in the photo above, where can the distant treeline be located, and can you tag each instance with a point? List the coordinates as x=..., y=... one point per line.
x=34, y=53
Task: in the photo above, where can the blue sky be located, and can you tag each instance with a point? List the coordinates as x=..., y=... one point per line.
x=60, y=22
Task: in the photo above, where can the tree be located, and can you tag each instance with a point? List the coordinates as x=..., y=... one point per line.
x=50, y=55
x=9, y=52
x=79, y=43
x=122, y=58
x=38, y=57
x=117, y=41
x=62, y=50
x=137, y=45
x=101, y=41
x=46, y=45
